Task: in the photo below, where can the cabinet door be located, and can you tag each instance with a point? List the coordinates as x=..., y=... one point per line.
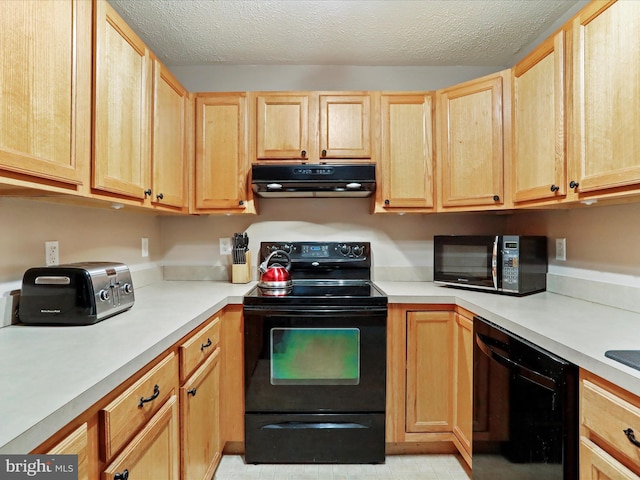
x=407, y=151
x=539, y=153
x=76, y=443
x=429, y=371
x=345, y=126
x=169, y=162
x=282, y=126
x=596, y=464
x=200, y=420
x=606, y=96
x=221, y=152
x=470, y=143
x=463, y=378
x=122, y=119
x=154, y=452
x=44, y=89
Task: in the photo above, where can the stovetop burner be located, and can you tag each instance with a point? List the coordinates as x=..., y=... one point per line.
x=322, y=273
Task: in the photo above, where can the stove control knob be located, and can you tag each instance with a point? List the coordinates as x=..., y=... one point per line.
x=127, y=288
x=345, y=249
x=287, y=248
x=358, y=250
x=105, y=295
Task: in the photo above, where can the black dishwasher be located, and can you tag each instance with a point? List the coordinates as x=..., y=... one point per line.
x=525, y=409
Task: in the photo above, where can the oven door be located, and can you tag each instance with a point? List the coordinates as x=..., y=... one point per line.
x=467, y=261
x=320, y=360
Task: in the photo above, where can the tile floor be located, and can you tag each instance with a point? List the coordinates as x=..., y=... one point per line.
x=396, y=467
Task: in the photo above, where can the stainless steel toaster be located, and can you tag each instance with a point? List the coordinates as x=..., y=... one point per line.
x=75, y=293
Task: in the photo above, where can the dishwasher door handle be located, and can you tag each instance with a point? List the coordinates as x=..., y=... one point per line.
x=517, y=368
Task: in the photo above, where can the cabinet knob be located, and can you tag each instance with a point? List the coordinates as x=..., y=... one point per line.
x=496, y=198
x=192, y=391
x=303, y=153
x=160, y=196
x=387, y=201
x=555, y=188
x=121, y=476
x=573, y=184
x=147, y=193
x=324, y=153
x=241, y=203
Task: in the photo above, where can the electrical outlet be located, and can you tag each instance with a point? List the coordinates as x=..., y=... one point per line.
x=51, y=253
x=225, y=246
x=561, y=249
x=145, y=247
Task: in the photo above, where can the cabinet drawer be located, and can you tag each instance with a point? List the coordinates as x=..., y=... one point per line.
x=608, y=416
x=597, y=464
x=195, y=350
x=154, y=452
x=124, y=417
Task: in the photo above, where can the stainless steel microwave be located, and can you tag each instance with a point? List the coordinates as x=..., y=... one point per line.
x=509, y=264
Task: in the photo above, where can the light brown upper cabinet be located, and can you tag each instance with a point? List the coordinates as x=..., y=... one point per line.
x=122, y=118
x=539, y=151
x=312, y=126
x=471, y=148
x=221, y=165
x=45, y=92
x=169, y=159
x=282, y=126
x=345, y=126
x=406, y=157
x=606, y=98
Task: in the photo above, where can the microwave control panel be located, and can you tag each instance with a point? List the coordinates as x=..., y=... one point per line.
x=510, y=262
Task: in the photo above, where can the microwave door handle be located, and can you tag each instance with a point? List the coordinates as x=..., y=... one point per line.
x=494, y=264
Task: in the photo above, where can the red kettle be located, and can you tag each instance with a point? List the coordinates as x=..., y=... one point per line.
x=275, y=279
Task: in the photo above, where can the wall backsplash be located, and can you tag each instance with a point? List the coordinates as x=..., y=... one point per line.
x=603, y=261
x=400, y=244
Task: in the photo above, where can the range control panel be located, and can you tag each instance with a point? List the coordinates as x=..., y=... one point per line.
x=318, y=251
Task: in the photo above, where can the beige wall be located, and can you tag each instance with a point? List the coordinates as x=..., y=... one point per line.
x=83, y=233
x=602, y=241
x=399, y=241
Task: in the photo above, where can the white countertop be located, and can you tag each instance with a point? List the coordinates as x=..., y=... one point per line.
x=50, y=375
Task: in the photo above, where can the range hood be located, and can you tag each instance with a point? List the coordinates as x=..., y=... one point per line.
x=314, y=180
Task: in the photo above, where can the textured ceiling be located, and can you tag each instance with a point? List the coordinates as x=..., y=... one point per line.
x=340, y=32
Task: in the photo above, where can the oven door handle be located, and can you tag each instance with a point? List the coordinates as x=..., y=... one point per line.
x=321, y=312
x=528, y=374
x=314, y=425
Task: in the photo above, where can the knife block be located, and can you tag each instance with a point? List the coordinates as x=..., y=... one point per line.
x=241, y=272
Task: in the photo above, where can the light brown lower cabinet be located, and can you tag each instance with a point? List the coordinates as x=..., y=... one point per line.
x=76, y=443
x=200, y=421
x=154, y=452
x=429, y=379
x=609, y=426
x=596, y=464
x=429, y=371
x=463, y=384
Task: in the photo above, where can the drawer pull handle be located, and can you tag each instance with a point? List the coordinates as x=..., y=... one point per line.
x=192, y=391
x=156, y=392
x=632, y=438
x=121, y=476
x=205, y=345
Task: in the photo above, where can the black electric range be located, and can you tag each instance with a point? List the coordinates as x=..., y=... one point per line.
x=315, y=359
